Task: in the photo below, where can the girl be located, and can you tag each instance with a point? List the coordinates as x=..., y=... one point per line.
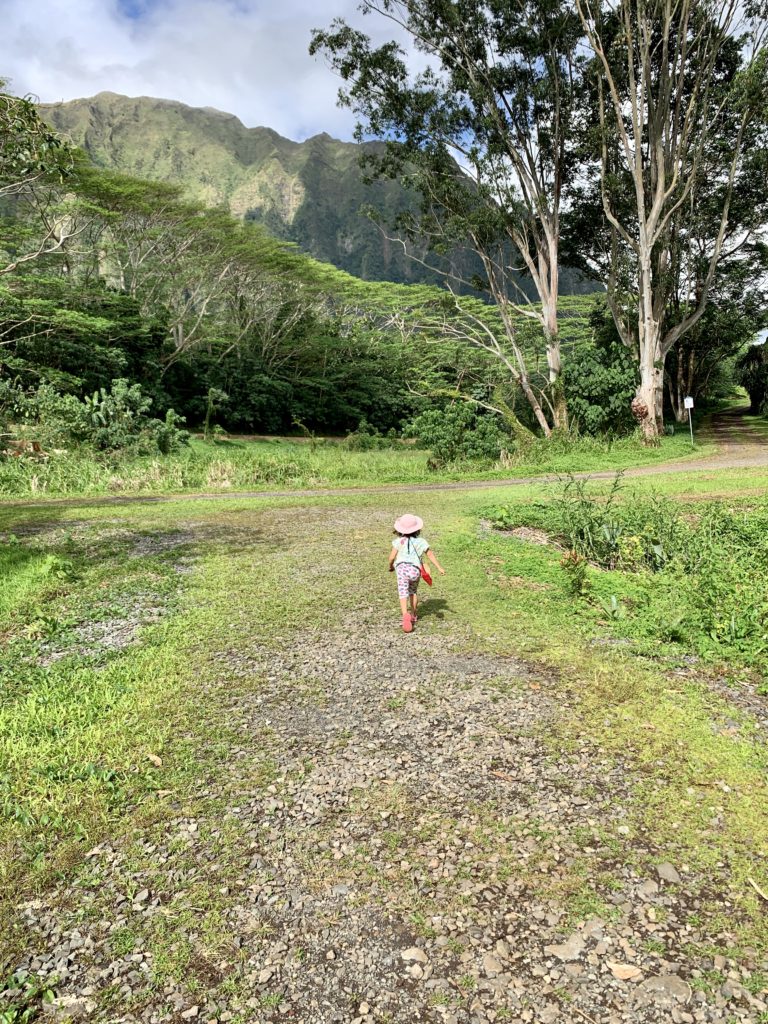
x=406, y=558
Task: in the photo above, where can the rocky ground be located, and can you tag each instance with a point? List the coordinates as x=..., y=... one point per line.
x=391, y=832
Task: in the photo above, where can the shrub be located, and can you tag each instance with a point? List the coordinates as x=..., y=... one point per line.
x=459, y=434
x=697, y=579
x=752, y=370
x=367, y=439
x=600, y=380
x=641, y=533
x=111, y=421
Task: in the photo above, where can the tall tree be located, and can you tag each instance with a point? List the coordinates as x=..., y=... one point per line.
x=485, y=135
x=31, y=155
x=681, y=99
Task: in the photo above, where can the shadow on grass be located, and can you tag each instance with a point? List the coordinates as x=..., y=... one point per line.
x=25, y=566
x=433, y=608
x=231, y=539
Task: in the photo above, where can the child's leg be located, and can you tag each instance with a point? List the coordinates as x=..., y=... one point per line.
x=403, y=589
x=414, y=595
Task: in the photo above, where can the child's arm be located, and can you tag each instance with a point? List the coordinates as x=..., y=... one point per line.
x=392, y=557
x=433, y=559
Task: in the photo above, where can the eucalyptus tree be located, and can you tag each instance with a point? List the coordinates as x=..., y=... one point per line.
x=680, y=97
x=485, y=135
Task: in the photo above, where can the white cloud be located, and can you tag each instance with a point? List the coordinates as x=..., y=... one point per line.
x=246, y=57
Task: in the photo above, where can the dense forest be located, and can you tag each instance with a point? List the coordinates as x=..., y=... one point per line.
x=108, y=277
x=130, y=312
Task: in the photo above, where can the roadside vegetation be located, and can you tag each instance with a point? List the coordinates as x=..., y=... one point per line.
x=687, y=580
x=232, y=465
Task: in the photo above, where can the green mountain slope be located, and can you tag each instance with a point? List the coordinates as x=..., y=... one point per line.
x=310, y=193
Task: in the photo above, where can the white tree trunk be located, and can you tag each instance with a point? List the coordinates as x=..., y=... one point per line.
x=649, y=399
x=549, y=298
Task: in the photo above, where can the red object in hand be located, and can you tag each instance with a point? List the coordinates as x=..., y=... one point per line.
x=426, y=577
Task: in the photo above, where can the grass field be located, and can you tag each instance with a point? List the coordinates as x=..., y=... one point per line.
x=119, y=626
x=253, y=465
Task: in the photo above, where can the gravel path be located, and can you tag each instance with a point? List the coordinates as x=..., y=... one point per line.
x=392, y=835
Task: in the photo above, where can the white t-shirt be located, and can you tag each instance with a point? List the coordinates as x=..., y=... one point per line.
x=410, y=550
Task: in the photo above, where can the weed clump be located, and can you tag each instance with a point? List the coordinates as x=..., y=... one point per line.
x=659, y=572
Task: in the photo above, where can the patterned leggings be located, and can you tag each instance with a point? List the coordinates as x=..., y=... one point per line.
x=408, y=577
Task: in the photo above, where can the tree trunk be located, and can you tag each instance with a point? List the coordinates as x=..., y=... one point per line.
x=549, y=297
x=648, y=405
x=521, y=433
x=538, y=412
x=677, y=391
x=559, y=404
x=557, y=396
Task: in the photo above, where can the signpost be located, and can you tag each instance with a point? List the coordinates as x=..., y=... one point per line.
x=688, y=403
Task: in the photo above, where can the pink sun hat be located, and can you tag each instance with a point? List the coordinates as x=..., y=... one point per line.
x=408, y=524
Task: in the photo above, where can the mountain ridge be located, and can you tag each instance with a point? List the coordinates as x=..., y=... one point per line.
x=306, y=192
x=309, y=193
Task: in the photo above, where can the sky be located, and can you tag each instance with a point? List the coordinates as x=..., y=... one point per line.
x=245, y=57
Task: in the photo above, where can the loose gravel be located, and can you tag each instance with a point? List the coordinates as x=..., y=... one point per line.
x=392, y=835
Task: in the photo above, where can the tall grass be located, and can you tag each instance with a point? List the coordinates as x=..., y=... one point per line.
x=669, y=575
x=239, y=465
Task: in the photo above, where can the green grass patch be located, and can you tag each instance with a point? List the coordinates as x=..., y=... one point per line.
x=660, y=571
x=703, y=798
x=75, y=740
x=255, y=465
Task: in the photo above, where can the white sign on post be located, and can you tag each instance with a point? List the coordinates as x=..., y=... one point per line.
x=688, y=403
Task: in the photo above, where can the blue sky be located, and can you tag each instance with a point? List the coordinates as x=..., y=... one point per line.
x=246, y=57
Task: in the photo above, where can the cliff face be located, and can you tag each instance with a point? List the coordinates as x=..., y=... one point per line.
x=309, y=193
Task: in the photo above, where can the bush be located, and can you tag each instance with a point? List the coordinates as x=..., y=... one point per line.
x=113, y=421
x=459, y=434
x=368, y=439
x=696, y=579
x=641, y=533
x=752, y=369
x=600, y=381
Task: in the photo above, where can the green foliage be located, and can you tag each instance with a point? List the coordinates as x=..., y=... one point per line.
x=524, y=59
x=215, y=398
x=29, y=150
x=600, y=378
x=644, y=533
x=752, y=369
x=697, y=580
x=458, y=434
x=367, y=439
x=24, y=998
x=118, y=420
x=74, y=336
x=114, y=420
x=575, y=567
